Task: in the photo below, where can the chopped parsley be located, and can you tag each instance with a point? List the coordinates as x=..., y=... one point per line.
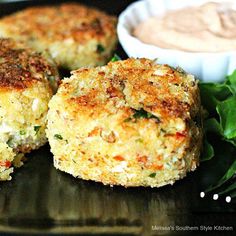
x=100, y=48
x=163, y=130
x=51, y=78
x=22, y=132
x=128, y=119
x=141, y=114
x=152, y=175
x=58, y=136
x=37, y=128
x=52, y=81
x=10, y=142
x=139, y=140
x=115, y=58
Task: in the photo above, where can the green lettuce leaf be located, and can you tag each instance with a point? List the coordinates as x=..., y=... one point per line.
x=229, y=189
x=228, y=175
x=212, y=94
x=212, y=125
x=233, y=195
x=208, y=150
x=219, y=99
x=227, y=113
x=231, y=82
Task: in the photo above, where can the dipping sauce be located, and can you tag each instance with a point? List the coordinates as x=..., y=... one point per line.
x=207, y=28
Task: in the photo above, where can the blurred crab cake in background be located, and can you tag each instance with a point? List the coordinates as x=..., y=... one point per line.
x=27, y=81
x=130, y=123
x=75, y=35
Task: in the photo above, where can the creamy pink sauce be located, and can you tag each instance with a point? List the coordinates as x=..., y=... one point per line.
x=208, y=28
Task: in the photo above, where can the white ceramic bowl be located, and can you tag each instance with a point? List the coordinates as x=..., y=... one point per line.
x=209, y=67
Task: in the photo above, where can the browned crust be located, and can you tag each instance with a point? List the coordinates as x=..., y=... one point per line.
x=69, y=20
x=19, y=67
x=159, y=97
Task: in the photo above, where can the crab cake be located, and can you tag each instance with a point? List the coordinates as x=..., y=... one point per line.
x=75, y=35
x=130, y=123
x=27, y=80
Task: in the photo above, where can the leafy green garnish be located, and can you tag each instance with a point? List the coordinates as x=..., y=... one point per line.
x=58, y=136
x=220, y=101
x=212, y=125
x=229, y=174
x=37, y=128
x=213, y=94
x=231, y=82
x=152, y=175
x=207, y=150
x=227, y=113
x=100, y=48
x=115, y=58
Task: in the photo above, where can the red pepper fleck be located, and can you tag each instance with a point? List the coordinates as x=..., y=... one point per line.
x=119, y=158
x=142, y=159
x=157, y=167
x=96, y=131
x=180, y=135
x=6, y=164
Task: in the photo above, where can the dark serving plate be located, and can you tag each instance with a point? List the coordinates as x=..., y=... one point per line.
x=43, y=201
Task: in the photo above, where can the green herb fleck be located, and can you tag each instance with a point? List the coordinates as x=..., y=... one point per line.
x=139, y=140
x=58, y=136
x=100, y=48
x=52, y=79
x=163, y=130
x=141, y=114
x=128, y=119
x=144, y=114
x=10, y=142
x=152, y=175
x=37, y=128
x=115, y=58
x=22, y=132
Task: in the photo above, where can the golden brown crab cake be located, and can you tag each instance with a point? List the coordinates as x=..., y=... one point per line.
x=130, y=123
x=75, y=35
x=27, y=80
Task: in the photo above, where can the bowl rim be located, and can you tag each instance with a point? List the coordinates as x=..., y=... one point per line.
x=122, y=31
